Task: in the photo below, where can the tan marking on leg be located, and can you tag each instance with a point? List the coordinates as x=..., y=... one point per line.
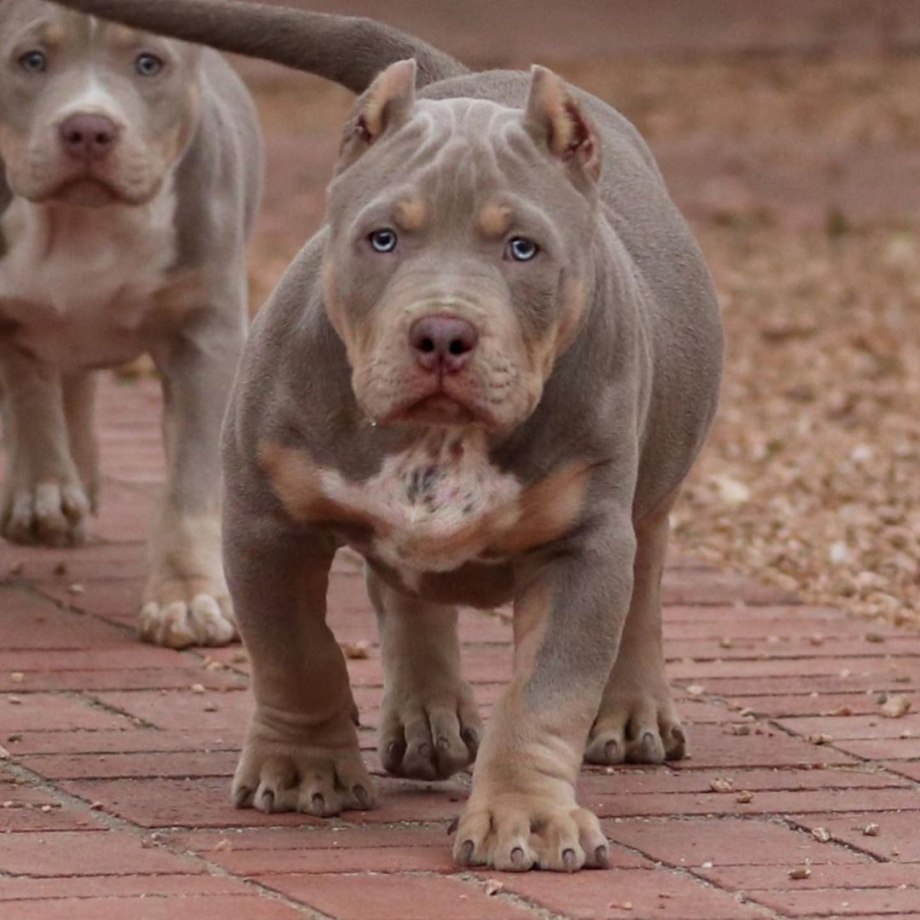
x=297, y=481
x=545, y=511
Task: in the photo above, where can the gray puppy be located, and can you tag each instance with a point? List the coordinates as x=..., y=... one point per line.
x=130, y=173
x=489, y=373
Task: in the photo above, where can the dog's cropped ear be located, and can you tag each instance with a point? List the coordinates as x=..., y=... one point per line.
x=384, y=106
x=556, y=121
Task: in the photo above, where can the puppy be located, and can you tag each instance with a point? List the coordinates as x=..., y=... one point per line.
x=130, y=171
x=489, y=373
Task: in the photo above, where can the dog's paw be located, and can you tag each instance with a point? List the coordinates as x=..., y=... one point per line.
x=634, y=727
x=515, y=832
x=187, y=619
x=429, y=735
x=321, y=781
x=53, y=513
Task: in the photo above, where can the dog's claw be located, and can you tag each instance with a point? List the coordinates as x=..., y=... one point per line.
x=602, y=857
x=466, y=853
x=569, y=860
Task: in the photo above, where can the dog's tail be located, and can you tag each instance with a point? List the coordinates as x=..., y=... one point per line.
x=348, y=50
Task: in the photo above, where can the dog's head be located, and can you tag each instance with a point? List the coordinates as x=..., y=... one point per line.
x=90, y=113
x=459, y=256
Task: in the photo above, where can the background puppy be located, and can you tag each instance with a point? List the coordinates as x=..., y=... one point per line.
x=131, y=170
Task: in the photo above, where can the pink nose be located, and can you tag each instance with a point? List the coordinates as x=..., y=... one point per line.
x=442, y=342
x=88, y=137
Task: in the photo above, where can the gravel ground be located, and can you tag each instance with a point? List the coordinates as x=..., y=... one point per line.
x=797, y=176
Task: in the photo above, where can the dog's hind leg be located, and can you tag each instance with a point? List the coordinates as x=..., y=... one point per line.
x=637, y=721
x=44, y=500
x=430, y=726
x=79, y=410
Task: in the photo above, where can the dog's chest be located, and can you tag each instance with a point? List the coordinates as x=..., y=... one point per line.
x=77, y=285
x=434, y=507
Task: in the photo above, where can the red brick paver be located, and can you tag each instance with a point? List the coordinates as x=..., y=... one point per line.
x=115, y=772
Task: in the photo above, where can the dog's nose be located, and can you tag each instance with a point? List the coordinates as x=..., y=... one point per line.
x=88, y=137
x=442, y=341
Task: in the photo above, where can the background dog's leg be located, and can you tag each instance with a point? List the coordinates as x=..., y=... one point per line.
x=301, y=751
x=637, y=720
x=44, y=500
x=522, y=811
x=186, y=601
x=430, y=726
x=79, y=410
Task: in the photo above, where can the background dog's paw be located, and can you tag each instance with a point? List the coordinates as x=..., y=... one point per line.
x=515, y=832
x=636, y=729
x=203, y=619
x=429, y=735
x=53, y=513
x=318, y=781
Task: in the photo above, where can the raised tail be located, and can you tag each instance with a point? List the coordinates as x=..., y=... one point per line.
x=346, y=49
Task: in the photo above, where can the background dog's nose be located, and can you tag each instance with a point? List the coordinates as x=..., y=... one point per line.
x=442, y=341
x=88, y=137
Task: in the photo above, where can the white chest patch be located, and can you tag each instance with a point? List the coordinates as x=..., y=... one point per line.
x=79, y=281
x=436, y=504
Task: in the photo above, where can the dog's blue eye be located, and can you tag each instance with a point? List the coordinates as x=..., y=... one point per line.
x=34, y=61
x=148, y=65
x=522, y=249
x=383, y=240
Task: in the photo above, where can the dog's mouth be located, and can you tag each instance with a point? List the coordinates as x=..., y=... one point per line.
x=442, y=403
x=86, y=192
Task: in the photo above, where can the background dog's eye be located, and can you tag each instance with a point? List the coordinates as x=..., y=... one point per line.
x=34, y=61
x=522, y=249
x=383, y=240
x=148, y=65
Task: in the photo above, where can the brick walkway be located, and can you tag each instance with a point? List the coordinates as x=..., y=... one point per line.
x=116, y=758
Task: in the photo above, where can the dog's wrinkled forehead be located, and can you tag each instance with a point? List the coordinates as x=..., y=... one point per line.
x=457, y=154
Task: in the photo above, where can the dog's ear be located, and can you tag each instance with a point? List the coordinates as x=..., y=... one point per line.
x=557, y=122
x=384, y=106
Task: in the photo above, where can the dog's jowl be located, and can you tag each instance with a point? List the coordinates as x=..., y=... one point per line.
x=129, y=175
x=489, y=374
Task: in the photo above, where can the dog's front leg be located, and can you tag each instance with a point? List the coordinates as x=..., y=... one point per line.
x=44, y=499
x=522, y=812
x=186, y=601
x=301, y=751
x=429, y=727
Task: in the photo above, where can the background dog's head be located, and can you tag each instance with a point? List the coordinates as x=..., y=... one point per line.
x=458, y=261
x=90, y=112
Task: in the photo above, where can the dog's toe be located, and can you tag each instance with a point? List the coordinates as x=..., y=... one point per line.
x=51, y=513
x=205, y=620
x=516, y=833
x=636, y=731
x=429, y=740
x=288, y=776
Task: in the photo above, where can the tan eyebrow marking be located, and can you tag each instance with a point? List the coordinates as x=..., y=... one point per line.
x=411, y=213
x=494, y=219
